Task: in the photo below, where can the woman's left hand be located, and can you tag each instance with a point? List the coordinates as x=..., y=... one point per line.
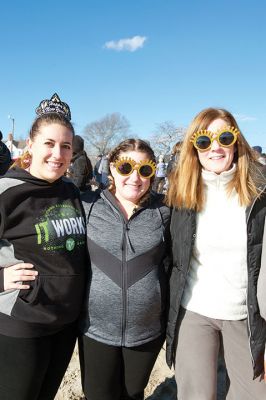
x=15, y=275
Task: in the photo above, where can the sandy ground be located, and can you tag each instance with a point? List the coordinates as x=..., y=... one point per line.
x=161, y=385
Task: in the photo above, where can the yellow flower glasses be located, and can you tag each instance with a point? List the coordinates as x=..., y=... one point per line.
x=125, y=166
x=226, y=137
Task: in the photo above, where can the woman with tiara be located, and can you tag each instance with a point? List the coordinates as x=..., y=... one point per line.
x=42, y=258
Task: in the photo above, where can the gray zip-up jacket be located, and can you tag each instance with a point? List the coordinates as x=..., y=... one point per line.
x=127, y=291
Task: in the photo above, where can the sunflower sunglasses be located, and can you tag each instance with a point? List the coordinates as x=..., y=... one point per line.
x=226, y=137
x=125, y=166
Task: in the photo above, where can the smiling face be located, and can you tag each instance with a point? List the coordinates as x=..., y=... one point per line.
x=217, y=159
x=132, y=187
x=51, y=151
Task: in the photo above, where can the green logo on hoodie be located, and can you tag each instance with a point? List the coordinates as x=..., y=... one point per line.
x=60, y=227
x=70, y=244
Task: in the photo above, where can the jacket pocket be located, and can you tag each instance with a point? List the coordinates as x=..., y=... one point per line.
x=52, y=300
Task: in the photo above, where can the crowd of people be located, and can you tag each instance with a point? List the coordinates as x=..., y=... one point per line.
x=129, y=253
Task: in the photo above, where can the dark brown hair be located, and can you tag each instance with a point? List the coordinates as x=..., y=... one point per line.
x=24, y=160
x=49, y=118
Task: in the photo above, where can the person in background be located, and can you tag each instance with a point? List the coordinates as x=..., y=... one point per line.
x=219, y=206
x=128, y=239
x=258, y=154
x=42, y=261
x=5, y=156
x=80, y=170
x=103, y=170
x=174, y=158
x=160, y=175
x=96, y=174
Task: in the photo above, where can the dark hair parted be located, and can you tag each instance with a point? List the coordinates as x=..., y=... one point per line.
x=132, y=145
x=47, y=119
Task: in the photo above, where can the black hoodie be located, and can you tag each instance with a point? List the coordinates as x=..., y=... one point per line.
x=41, y=223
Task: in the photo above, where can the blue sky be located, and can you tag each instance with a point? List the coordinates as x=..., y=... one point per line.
x=188, y=55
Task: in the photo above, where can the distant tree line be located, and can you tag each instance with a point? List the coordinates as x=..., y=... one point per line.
x=102, y=135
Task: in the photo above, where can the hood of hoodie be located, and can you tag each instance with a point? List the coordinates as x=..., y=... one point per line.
x=25, y=176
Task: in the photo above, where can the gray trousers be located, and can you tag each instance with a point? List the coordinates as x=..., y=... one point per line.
x=198, y=344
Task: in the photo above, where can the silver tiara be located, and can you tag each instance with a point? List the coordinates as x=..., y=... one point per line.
x=54, y=105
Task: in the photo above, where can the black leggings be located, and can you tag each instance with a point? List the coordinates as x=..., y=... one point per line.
x=116, y=373
x=32, y=368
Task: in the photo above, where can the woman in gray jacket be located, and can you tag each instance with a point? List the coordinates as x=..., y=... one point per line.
x=124, y=325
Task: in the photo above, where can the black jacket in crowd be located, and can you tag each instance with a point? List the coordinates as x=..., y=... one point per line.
x=5, y=158
x=81, y=170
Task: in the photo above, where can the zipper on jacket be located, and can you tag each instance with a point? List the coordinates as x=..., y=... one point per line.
x=123, y=264
x=124, y=246
x=125, y=243
x=124, y=282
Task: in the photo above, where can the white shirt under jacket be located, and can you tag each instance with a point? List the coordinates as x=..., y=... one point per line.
x=217, y=279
